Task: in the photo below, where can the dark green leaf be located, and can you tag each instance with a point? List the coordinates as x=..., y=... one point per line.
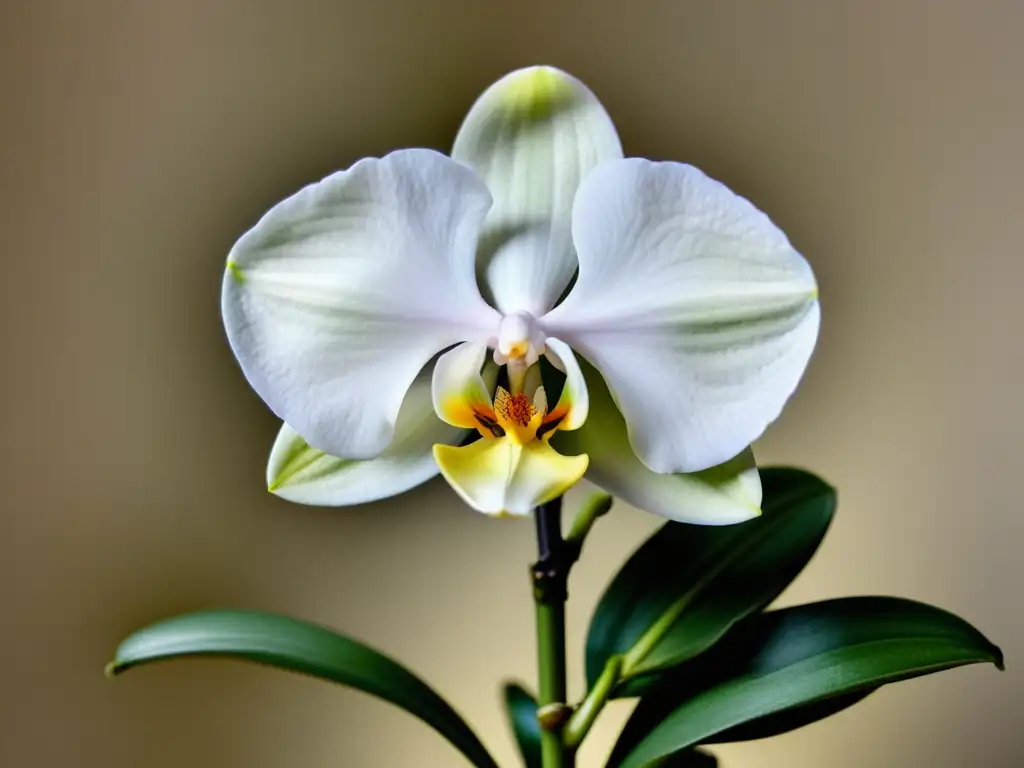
x=298, y=646
x=690, y=758
x=762, y=728
x=781, y=660
x=694, y=582
x=521, y=708
x=789, y=719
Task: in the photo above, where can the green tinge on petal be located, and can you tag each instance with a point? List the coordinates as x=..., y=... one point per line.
x=236, y=271
x=721, y=495
x=298, y=472
x=294, y=461
x=536, y=94
x=302, y=474
x=499, y=477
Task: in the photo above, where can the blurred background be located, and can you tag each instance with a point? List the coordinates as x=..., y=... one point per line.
x=139, y=139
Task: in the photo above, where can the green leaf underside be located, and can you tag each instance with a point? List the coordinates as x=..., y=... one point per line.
x=695, y=582
x=789, y=719
x=298, y=646
x=521, y=709
x=787, y=659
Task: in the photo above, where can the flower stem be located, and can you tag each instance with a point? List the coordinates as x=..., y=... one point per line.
x=585, y=715
x=596, y=505
x=550, y=575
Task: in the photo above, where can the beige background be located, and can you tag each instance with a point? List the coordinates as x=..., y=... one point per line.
x=139, y=139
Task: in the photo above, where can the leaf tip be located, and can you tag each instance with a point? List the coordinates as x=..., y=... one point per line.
x=512, y=688
x=602, y=503
x=110, y=670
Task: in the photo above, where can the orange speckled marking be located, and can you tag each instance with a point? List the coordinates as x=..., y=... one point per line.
x=516, y=409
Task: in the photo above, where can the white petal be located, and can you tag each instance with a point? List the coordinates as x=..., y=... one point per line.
x=305, y=475
x=459, y=389
x=532, y=136
x=726, y=494
x=693, y=305
x=501, y=477
x=574, y=401
x=340, y=294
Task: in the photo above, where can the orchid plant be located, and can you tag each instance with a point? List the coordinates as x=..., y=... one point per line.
x=532, y=310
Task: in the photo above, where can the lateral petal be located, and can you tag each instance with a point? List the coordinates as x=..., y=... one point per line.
x=341, y=293
x=694, y=306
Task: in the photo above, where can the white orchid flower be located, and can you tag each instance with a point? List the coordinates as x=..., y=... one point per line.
x=357, y=311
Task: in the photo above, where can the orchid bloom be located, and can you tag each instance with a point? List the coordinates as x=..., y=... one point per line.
x=374, y=311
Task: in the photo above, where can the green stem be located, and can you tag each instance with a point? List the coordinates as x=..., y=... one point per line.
x=583, y=718
x=551, y=666
x=596, y=505
x=549, y=591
